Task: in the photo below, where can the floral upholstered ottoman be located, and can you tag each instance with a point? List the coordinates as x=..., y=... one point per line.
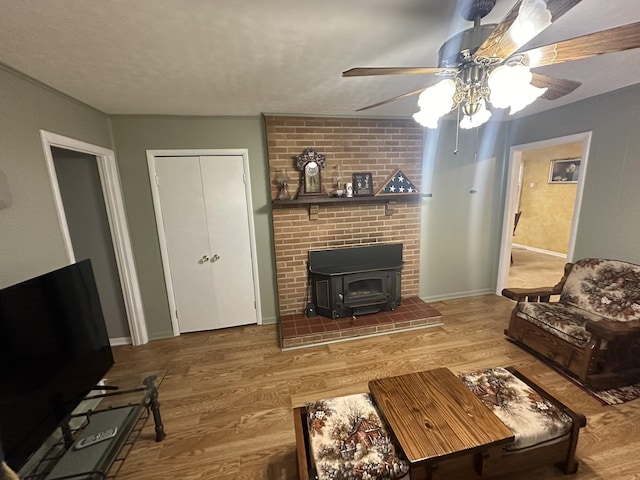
x=348, y=440
x=345, y=438
x=532, y=419
x=545, y=430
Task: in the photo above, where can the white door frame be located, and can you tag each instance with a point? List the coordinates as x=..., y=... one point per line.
x=112, y=192
x=151, y=161
x=515, y=161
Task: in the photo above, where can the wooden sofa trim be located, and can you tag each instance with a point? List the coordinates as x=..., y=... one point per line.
x=538, y=294
x=610, y=329
x=570, y=464
x=575, y=360
x=305, y=468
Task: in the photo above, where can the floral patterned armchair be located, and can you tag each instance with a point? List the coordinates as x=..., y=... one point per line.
x=593, y=330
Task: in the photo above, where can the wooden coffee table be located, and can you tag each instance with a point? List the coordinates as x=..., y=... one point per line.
x=435, y=418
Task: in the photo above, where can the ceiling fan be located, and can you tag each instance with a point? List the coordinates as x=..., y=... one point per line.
x=484, y=64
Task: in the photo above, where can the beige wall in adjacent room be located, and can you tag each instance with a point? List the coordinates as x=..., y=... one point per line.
x=547, y=209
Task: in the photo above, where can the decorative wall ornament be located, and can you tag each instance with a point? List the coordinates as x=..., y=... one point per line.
x=5, y=192
x=311, y=164
x=283, y=183
x=362, y=183
x=397, y=184
x=566, y=170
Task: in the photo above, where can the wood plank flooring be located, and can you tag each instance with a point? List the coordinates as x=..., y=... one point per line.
x=534, y=269
x=228, y=395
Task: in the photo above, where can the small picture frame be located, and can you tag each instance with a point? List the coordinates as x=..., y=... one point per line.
x=362, y=183
x=566, y=170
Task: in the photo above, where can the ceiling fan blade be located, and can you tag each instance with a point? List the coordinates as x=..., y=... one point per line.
x=618, y=39
x=366, y=71
x=525, y=20
x=404, y=95
x=556, y=87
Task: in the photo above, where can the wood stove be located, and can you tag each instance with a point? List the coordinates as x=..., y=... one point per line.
x=355, y=281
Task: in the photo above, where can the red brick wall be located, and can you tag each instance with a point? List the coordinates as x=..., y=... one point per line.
x=379, y=146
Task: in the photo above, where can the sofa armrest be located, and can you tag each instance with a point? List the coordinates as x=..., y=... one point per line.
x=539, y=294
x=610, y=329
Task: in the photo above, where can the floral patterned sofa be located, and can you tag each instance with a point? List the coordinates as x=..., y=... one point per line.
x=593, y=330
x=345, y=438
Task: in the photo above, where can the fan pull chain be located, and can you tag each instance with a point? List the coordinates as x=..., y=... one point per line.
x=475, y=154
x=475, y=162
x=455, y=151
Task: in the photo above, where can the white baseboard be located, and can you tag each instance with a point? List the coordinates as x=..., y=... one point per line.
x=540, y=250
x=451, y=296
x=120, y=341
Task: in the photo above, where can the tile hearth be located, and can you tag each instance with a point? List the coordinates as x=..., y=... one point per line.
x=298, y=331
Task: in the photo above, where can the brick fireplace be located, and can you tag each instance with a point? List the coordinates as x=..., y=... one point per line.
x=378, y=146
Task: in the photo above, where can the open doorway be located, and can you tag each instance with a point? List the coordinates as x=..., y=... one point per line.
x=86, y=215
x=545, y=233
x=111, y=196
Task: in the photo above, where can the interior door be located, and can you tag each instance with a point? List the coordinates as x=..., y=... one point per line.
x=203, y=208
x=228, y=229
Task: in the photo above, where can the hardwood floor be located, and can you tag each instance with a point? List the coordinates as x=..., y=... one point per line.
x=534, y=269
x=228, y=395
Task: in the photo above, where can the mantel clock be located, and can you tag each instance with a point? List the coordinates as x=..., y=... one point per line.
x=311, y=163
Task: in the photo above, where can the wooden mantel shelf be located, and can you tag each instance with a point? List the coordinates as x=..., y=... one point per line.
x=317, y=199
x=313, y=202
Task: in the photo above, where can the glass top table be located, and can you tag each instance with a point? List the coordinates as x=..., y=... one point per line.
x=118, y=405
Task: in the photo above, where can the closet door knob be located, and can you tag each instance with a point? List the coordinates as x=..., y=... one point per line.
x=215, y=258
x=204, y=259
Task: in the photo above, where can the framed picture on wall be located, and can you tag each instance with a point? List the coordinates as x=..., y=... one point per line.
x=362, y=183
x=566, y=170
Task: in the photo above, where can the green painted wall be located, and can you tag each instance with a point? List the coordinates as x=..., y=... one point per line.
x=462, y=222
x=461, y=231
x=31, y=241
x=133, y=136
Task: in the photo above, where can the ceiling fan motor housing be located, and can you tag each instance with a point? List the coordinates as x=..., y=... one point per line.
x=473, y=10
x=460, y=48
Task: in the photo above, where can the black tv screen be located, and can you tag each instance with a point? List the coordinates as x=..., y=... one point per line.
x=54, y=349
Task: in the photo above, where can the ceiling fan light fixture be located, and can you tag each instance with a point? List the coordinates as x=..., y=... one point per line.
x=510, y=86
x=426, y=119
x=435, y=102
x=438, y=97
x=533, y=18
x=481, y=115
x=527, y=96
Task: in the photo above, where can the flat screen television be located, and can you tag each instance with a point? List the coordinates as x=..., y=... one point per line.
x=54, y=349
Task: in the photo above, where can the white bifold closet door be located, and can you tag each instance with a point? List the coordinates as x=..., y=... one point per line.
x=205, y=221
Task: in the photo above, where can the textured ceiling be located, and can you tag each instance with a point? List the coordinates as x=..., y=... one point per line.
x=245, y=57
